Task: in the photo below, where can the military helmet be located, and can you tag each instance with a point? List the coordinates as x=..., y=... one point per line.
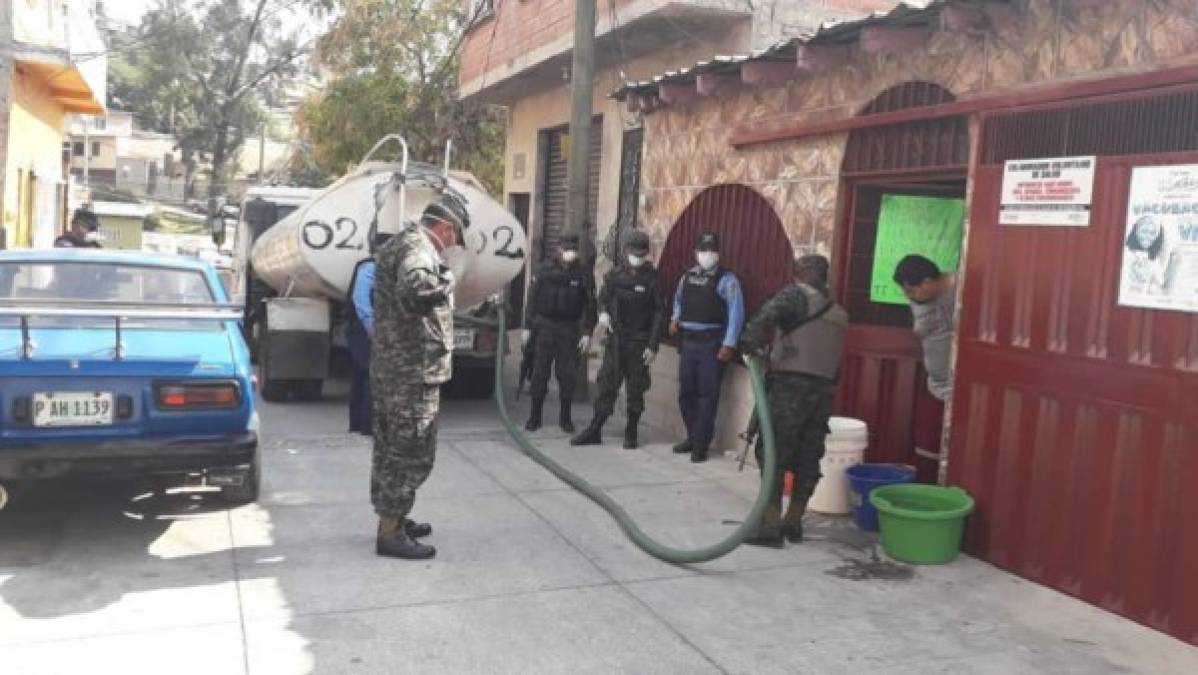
x=637, y=242
x=815, y=264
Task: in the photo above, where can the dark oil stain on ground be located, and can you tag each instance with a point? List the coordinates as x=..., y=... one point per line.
x=873, y=569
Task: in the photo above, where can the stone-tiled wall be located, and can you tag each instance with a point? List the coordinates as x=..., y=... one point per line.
x=686, y=146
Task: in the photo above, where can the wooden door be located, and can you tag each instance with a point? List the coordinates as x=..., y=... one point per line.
x=1075, y=420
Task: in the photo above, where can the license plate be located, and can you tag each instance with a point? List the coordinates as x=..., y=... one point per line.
x=463, y=338
x=72, y=409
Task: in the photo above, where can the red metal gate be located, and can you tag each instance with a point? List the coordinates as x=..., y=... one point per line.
x=1075, y=420
x=753, y=243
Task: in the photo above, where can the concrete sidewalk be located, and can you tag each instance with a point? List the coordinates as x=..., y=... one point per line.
x=529, y=577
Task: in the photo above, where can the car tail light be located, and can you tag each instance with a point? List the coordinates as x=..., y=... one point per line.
x=191, y=396
x=484, y=341
x=22, y=409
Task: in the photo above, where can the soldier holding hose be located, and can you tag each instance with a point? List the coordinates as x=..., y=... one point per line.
x=805, y=329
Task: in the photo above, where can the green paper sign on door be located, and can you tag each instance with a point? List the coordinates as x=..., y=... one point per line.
x=927, y=226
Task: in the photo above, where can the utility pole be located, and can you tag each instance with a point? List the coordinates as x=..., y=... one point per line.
x=87, y=153
x=582, y=84
x=262, y=156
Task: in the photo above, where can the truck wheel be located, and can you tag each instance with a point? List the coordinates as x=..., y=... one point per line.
x=247, y=492
x=307, y=390
x=275, y=391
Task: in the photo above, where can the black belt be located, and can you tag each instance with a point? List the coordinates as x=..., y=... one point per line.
x=706, y=334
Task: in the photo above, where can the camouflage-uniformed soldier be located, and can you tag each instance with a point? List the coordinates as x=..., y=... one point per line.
x=561, y=316
x=808, y=330
x=412, y=358
x=634, y=316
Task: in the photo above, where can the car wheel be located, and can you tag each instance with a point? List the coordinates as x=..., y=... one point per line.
x=247, y=492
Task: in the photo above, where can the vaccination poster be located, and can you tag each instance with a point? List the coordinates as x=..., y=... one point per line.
x=1160, y=244
x=927, y=226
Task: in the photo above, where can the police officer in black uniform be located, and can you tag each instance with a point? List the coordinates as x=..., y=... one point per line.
x=634, y=316
x=561, y=314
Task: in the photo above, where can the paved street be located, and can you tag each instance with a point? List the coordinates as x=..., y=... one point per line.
x=530, y=577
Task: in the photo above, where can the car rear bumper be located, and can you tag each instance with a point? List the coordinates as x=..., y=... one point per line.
x=126, y=457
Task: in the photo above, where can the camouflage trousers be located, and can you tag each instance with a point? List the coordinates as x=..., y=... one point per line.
x=800, y=406
x=623, y=361
x=405, y=446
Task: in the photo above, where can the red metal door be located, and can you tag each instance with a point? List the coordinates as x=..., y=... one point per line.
x=1075, y=420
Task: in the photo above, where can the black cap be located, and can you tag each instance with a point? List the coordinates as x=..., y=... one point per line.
x=637, y=242
x=707, y=241
x=86, y=218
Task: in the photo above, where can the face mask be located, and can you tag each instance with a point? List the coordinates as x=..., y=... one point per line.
x=569, y=256
x=707, y=259
x=636, y=260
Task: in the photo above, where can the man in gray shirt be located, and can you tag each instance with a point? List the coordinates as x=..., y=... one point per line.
x=933, y=297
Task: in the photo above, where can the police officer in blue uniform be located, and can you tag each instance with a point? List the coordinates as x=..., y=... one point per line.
x=359, y=333
x=709, y=312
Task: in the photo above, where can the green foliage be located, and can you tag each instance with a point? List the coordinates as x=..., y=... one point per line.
x=393, y=67
x=201, y=70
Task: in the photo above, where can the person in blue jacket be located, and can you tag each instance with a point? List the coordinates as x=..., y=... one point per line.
x=709, y=312
x=359, y=334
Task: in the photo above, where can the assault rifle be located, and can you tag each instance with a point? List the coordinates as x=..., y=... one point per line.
x=528, y=354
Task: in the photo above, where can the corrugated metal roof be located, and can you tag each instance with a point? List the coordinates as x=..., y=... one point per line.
x=908, y=13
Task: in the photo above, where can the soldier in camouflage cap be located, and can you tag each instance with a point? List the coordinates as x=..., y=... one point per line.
x=412, y=358
x=805, y=329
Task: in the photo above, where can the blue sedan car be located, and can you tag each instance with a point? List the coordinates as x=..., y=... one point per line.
x=120, y=364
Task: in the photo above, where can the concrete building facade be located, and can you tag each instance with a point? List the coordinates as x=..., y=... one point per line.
x=52, y=63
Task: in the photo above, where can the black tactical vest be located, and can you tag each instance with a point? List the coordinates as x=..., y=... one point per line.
x=632, y=292
x=701, y=301
x=561, y=293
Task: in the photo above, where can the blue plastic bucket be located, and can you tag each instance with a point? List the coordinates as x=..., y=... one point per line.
x=865, y=477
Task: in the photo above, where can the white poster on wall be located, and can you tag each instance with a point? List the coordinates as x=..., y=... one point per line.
x=1047, y=191
x=1160, y=245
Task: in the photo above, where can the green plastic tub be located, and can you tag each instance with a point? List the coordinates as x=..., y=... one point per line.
x=921, y=524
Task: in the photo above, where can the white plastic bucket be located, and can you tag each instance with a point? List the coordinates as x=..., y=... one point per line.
x=845, y=446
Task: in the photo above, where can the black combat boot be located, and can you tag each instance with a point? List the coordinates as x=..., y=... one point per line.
x=699, y=454
x=394, y=542
x=534, y=416
x=769, y=533
x=564, y=420
x=414, y=529
x=792, y=522
x=630, y=431
x=593, y=434
x=683, y=448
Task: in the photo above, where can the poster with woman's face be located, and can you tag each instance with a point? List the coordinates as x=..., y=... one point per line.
x=1160, y=246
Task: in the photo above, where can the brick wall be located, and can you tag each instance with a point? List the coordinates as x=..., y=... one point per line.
x=519, y=27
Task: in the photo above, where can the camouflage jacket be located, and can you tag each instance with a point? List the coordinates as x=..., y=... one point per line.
x=413, y=311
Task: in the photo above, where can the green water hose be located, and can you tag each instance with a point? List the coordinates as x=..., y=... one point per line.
x=638, y=536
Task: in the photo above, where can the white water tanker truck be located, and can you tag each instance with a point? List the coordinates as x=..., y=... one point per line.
x=296, y=250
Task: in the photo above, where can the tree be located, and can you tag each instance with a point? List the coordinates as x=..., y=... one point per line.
x=393, y=67
x=201, y=71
